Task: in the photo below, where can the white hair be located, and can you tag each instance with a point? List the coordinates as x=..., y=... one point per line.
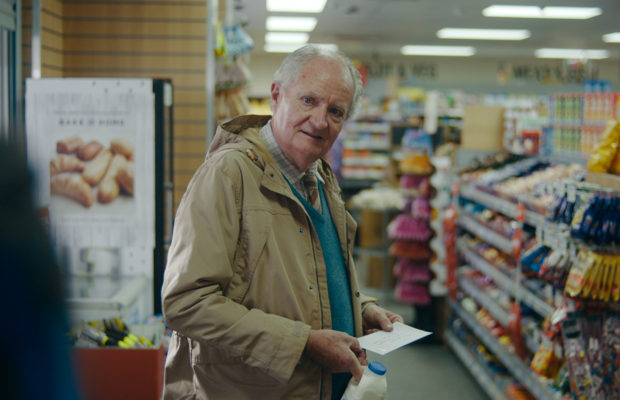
x=289, y=70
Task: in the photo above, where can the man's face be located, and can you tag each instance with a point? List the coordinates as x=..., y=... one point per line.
x=309, y=113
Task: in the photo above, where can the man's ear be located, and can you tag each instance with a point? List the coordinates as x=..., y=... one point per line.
x=275, y=93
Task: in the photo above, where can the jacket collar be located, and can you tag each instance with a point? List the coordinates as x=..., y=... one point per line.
x=243, y=132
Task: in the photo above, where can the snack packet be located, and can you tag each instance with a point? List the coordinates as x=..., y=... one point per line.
x=603, y=155
x=579, y=272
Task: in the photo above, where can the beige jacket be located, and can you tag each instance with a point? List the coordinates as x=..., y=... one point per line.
x=245, y=280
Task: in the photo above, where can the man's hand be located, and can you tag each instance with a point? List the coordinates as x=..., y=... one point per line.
x=376, y=318
x=337, y=352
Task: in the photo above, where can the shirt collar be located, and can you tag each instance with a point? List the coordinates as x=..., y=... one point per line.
x=290, y=170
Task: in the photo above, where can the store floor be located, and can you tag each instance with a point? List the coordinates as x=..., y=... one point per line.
x=423, y=370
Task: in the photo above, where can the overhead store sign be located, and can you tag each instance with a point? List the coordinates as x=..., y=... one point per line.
x=384, y=69
x=560, y=73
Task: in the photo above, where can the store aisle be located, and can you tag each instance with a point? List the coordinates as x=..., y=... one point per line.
x=424, y=371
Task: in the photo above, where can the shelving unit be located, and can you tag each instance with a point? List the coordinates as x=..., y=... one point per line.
x=504, y=281
x=497, y=312
x=474, y=367
x=519, y=370
x=366, y=151
x=500, y=205
x=578, y=120
x=469, y=223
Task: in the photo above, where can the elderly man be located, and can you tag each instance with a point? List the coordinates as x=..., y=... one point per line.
x=260, y=286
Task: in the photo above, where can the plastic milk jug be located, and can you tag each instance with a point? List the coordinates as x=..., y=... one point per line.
x=372, y=386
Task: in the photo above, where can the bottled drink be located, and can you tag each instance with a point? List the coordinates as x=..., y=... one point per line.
x=372, y=386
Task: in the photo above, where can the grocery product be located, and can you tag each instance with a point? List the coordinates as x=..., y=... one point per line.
x=604, y=154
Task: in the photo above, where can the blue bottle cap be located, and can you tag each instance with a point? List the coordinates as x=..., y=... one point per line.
x=377, y=367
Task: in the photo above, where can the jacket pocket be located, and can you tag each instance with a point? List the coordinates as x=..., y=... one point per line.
x=217, y=367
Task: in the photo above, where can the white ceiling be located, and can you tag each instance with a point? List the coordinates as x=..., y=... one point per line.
x=381, y=27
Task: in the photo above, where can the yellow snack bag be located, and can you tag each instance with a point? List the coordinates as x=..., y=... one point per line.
x=579, y=273
x=611, y=276
x=615, y=290
x=592, y=279
x=615, y=164
x=603, y=283
x=604, y=153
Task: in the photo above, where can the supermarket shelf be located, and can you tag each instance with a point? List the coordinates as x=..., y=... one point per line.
x=484, y=233
x=504, y=281
x=496, y=311
x=518, y=369
x=484, y=300
x=503, y=206
x=474, y=366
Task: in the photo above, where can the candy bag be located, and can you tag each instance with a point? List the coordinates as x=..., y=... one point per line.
x=579, y=273
x=603, y=155
x=592, y=279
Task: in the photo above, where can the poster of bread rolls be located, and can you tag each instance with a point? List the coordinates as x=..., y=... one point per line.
x=91, y=144
x=87, y=172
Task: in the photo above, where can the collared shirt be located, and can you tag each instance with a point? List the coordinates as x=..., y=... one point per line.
x=291, y=172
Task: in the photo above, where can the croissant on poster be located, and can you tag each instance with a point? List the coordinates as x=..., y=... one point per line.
x=74, y=187
x=88, y=151
x=109, y=189
x=65, y=163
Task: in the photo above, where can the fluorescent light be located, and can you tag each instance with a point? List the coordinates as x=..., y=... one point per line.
x=286, y=37
x=572, y=53
x=612, y=37
x=512, y=11
x=282, y=47
x=571, y=12
x=414, y=50
x=483, y=34
x=544, y=12
x=291, y=47
x=291, y=24
x=309, y=6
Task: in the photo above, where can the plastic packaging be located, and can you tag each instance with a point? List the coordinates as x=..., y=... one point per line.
x=603, y=156
x=372, y=386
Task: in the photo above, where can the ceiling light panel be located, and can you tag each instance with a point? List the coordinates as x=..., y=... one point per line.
x=290, y=24
x=454, y=51
x=286, y=37
x=612, y=37
x=281, y=47
x=574, y=54
x=502, y=11
x=483, y=34
x=307, y=6
x=291, y=47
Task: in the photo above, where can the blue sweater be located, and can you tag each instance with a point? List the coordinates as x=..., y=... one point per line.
x=338, y=284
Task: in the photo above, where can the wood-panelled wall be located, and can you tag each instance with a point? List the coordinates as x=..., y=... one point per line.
x=51, y=38
x=134, y=38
